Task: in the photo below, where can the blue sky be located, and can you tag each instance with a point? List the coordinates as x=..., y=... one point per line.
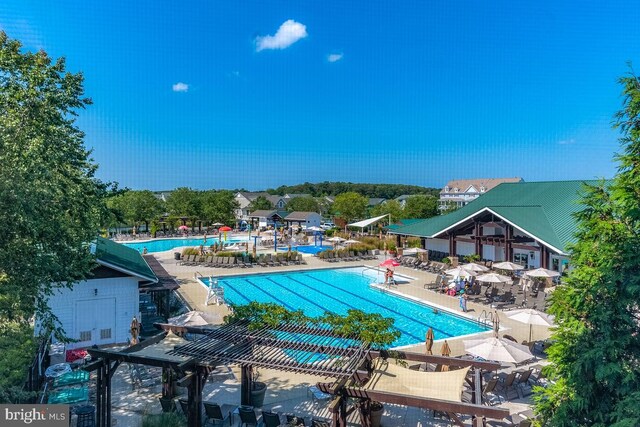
x=256, y=94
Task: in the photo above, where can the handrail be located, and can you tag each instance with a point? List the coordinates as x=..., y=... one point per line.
x=486, y=317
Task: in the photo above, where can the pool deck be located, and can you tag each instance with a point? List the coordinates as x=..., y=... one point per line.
x=287, y=392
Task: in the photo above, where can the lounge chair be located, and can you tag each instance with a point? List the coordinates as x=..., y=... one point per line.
x=217, y=414
x=489, y=396
x=248, y=417
x=318, y=422
x=523, y=382
x=509, y=383
x=270, y=419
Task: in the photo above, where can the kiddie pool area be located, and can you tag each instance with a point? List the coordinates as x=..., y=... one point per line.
x=161, y=245
x=341, y=289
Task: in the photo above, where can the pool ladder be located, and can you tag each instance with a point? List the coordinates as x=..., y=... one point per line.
x=486, y=318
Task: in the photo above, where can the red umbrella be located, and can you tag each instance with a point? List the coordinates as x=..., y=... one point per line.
x=225, y=228
x=389, y=263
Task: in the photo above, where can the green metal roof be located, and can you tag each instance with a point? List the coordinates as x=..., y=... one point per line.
x=403, y=223
x=123, y=258
x=542, y=209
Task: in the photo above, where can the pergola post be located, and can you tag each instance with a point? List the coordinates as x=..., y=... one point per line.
x=365, y=413
x=246, y=381
x=99, y=397
x=103, y=392
x=452, y=245
x=508, y=243
x=398, y=241
x=478, y=241
x=194, y=418
x=342, y=421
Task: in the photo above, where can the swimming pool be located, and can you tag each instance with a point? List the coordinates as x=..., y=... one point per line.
x=161, y=245
x=338, y=290
x=306, y=249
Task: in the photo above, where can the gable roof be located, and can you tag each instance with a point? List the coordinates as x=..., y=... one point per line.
x=403, y=197
x=375, y=201
x=294, y=195
x=300, y=216
x=543, y=210
x=267, y=213
x=122, y=258
x=403, y=222
x=488, y=183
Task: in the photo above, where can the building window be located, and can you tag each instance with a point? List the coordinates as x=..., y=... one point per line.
x=85, y=336
x=446, y=189
x=482, y=189
x=105, y=334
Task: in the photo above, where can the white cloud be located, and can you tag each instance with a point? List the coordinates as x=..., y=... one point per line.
x=288, y=33
x=180, y=87
x=567, y=141
x=335, y=57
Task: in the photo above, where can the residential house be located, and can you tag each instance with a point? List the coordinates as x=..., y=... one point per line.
x=458, y=193
x=266, y=218
x=244, y=199
x=303, y=219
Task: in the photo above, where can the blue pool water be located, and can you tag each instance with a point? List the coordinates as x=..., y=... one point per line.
x=338, y=290
x=307, y=249
x=162, y=245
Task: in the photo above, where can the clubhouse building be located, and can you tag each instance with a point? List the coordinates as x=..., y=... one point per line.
x=529, y=223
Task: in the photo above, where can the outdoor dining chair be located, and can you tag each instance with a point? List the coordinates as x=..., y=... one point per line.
x=270, y=419
x=217, y=414
x=248, y=416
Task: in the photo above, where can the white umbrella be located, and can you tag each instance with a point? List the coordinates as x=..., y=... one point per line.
x=498, y=349
x=351, y=242
x=314, y=228
x=506, y=265
x=196, y=318
x=459, y=271
x=531, y=317
x=336, y=239
x=493, y=278
x=541, y=272
x=267, y=232
x=414, y=251
x=475, y=267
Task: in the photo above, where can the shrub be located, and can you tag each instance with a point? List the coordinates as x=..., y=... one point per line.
x=166, y=419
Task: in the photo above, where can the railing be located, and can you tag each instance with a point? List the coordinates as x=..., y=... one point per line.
x=486, y=318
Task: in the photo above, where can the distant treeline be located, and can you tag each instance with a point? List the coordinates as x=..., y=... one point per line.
x=386, y=191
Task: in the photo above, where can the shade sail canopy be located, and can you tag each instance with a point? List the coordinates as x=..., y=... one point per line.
x=389, y=377
x=367, y=222
x=507, y=265
x=498, y=349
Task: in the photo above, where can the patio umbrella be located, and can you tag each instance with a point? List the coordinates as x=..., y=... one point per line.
x=225, y=228
x=183, y=228
x=135, y=330
x=428, y=340
x=509, y=266
x=217, y=224
x=314, y=228
x=445, y=351
x=195, y=318
x=542, y=273
x=493, y=278
x=389, y=263
x=414, y=251
x=532, y=317
x=336, y=239
x=459, y=271
x=498, y=349
x=474, y=267
x=351, y=242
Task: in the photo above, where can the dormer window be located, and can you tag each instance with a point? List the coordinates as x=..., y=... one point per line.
x=482, y=189
x=446, y=189
x=455, y=190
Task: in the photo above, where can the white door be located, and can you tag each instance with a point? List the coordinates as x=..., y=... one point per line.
x=96, y=321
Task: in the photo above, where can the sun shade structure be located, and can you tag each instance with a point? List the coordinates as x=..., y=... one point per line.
x=367, y=222
x=498, y=349
x=541, y=272
x=508, y=266
x=493, y=278
x=196, y=318
x=531, y=317
x=299, y=347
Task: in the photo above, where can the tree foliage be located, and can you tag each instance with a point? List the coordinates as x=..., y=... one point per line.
x=350, y=206
x=385, y=191
x=260, y=203
x=52, y=205
x=303, y=204
x=17, y=347
x=184, y=202
x=595, y=357
x=421, y=206
x=391, y=207
x=219, y=206
x=137, y=207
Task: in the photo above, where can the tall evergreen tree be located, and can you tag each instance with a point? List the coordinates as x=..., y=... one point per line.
x=596, y=355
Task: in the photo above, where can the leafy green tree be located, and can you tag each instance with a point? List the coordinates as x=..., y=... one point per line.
x=350, y=206
x=421, y=206
x=392, y=207
x=303, y=204
x=449, y=207
x=219, y=206
x=185, y=203
x=261, y=203
x=137, y=207
x=17, y=345
x=52, y=205
x=595, y=356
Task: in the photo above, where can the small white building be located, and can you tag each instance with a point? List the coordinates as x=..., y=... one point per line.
x=458, y=193
x=99, y=310
x=303, y=219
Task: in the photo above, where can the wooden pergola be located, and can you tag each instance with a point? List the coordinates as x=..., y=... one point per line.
x=297, y=347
